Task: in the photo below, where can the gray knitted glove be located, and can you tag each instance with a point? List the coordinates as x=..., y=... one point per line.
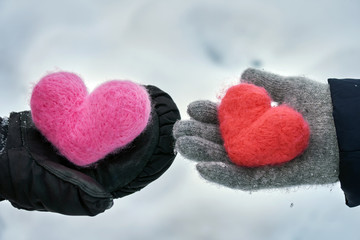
x=199, y=138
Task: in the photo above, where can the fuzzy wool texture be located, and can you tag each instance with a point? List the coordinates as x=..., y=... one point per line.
x=256, y=134
x=319, y=164
x=86, y=127
x=4, y=122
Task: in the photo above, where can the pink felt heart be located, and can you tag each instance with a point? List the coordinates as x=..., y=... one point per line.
x=86, y=127
x=256, y=134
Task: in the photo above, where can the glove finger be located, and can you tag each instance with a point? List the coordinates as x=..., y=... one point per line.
x=280, y=88
x=203, y=111
x=206, y=131
x=201, y=150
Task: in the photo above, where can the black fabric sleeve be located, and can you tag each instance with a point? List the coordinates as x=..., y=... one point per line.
x=345, y=94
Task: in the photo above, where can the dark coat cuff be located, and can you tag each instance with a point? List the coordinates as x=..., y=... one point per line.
x=345, y=94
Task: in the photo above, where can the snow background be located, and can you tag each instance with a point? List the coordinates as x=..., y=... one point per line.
x=192, y=50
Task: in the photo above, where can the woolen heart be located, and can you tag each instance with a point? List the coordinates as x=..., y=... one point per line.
x=257, y=134
x=86, y=127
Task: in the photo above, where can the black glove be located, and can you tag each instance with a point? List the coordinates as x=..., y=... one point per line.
x=33, y=176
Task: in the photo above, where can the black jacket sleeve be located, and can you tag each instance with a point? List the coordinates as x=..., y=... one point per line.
x=345, y=95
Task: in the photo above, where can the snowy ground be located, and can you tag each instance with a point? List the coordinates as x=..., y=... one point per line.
x=191, y=49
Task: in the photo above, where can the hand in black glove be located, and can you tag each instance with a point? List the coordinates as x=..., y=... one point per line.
x=33, y=176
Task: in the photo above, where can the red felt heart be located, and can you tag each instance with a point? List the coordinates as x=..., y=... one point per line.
x=257, y=134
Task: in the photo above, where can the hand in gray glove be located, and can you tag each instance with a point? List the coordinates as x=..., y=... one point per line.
x=199, y=138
